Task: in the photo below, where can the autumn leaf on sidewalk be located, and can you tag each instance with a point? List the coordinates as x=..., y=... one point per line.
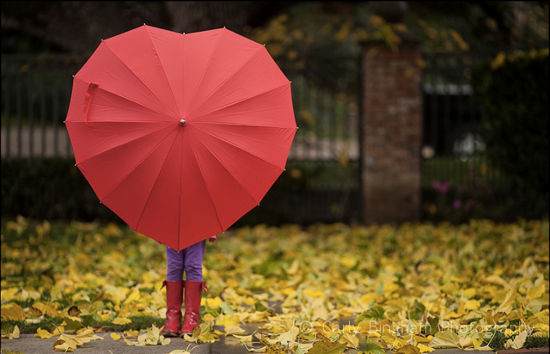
x=68, y=342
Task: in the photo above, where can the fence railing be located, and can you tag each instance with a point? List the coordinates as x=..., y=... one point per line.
x=36, y=93
x=452, y=145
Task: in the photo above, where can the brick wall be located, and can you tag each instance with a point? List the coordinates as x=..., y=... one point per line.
x=392, y=117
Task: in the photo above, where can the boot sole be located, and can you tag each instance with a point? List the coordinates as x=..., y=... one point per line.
x=169, y=334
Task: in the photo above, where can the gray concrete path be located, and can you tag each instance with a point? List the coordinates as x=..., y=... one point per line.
x=28, y=344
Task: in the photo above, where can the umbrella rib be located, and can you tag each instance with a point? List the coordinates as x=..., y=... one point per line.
x=207, y=189
x=221, y=84
x=127, y=99
x=180, y=201
x=156, y=180
x=137, y=77
x=240, y=148
x=138, y=164
x=206, y=68
x=241, y=101
x=120, y=145
x=92, y=123
x=162, y=67
x=242, y=125
x=225, y=168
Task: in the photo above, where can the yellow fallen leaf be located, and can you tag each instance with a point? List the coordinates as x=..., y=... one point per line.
x=68, y=342
x=350, y=339
x=507, y=305
x=408, y=349
x=46, y=309
x=44, y=334
x=445, y=339
x=115, y=336
x=212, y=302
x=243, y=338
x=472, y=305
x=121, y=321
x=424, y=348
x=13, y=335
x=233, y=329
x=131, y=333
x=535, y=292
x=517, y=342
x=13, y=312
x=134, y=296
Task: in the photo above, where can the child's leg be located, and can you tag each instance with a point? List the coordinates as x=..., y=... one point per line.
x=174, y=292
x=193, y=261
x=174, y=264
x=193, y=285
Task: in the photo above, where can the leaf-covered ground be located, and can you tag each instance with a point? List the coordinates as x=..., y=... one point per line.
x=325, y=287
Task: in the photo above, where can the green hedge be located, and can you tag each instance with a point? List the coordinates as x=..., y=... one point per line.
x=513, y=93
x=51, y=188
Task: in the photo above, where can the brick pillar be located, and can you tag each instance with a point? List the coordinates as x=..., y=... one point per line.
x=391, y=133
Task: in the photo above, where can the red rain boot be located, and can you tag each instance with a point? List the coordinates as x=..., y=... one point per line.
x=174, y=296
x=193, y=294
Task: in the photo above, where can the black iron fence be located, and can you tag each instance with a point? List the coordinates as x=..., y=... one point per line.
x=35, y=98
x=323, y=159
x=452, y=145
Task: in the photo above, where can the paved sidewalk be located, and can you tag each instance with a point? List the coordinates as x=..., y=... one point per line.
x=28, y=344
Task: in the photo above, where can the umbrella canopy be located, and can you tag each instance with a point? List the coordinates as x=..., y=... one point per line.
x=180, y=134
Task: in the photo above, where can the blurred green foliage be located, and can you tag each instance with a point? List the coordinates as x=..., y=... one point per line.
x=513, y=91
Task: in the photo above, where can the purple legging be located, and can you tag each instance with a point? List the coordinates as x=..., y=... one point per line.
x=189, y=259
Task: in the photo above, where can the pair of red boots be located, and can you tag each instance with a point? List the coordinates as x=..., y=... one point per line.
x=174, y=297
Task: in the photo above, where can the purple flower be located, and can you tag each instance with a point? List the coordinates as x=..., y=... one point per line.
x=441, y=187
x=457, y=204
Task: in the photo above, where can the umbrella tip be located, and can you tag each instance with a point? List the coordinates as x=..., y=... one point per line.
x=73, y=75
x=183, y=33
x=144, y=24
x=63, y=122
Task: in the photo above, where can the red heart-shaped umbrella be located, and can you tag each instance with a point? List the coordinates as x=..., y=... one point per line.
x=180, y=134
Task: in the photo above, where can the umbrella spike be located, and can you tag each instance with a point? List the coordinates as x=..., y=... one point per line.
x=73, y=75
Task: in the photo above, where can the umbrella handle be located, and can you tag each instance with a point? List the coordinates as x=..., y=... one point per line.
x=87, y=100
